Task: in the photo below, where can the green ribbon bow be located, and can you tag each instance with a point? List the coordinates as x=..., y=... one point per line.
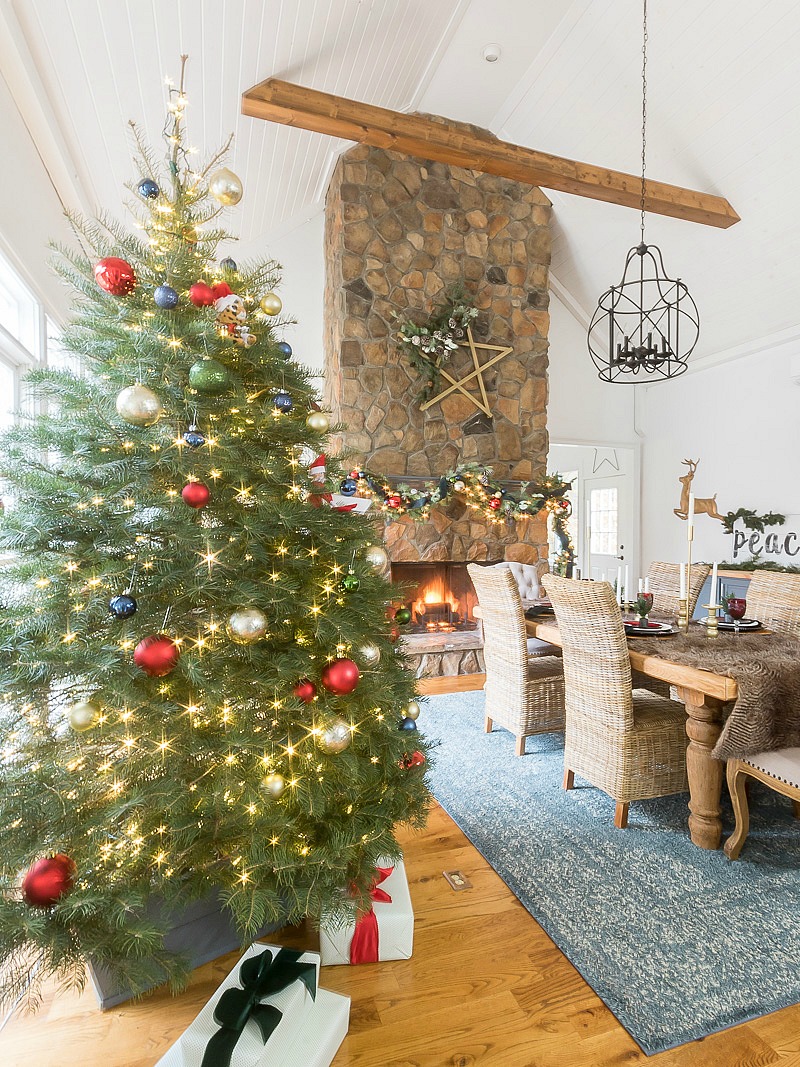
x=261, y=976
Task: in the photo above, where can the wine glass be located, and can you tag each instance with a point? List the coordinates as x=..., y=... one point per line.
x=737, y=606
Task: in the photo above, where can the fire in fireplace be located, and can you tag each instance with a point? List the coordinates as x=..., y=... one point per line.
x=440, y=595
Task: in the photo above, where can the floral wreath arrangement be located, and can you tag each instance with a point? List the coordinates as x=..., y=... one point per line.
x=470, y=483
x=428, y=346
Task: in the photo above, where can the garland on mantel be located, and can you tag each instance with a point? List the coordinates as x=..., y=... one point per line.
x=428, y=345
x=470, y=483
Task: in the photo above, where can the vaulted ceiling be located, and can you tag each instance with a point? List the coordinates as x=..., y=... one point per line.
x=723, y=115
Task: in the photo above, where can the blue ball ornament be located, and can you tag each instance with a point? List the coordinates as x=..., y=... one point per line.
x=407, y=724
x=193, y=437
x=165, y=297
x=348, y=486
x=122, y=606
x=147, y=189
x=282, y=401
x=228, y=264
x=284, y=349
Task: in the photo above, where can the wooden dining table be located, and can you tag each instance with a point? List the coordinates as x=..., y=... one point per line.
x=704, y=694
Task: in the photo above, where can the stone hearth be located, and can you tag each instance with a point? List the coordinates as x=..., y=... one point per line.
x=400, y=233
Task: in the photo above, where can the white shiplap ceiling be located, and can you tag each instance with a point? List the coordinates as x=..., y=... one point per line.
x=724, y=114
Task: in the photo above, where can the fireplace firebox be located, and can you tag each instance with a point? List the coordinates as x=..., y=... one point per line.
x=439, y=595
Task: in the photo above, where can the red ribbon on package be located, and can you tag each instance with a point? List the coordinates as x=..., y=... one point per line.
x=364, y=946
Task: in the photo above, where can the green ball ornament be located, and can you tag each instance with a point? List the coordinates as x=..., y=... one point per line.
x=209, y=376
x=139, y=406
x=402, y=616
x=274, y=784
x=376, y=557
x=318, y=421
x=83, y=716
x=350, y=583
x=412, y=710
x=335, y=737
x=246, y=626
x=271, y=304
x=369, y=654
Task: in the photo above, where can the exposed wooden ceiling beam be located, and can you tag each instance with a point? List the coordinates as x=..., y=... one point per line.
x=461, y=145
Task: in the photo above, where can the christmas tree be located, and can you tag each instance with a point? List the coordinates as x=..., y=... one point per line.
x=201, y=686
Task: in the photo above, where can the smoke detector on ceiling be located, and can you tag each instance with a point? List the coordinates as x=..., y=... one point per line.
x=492, y=53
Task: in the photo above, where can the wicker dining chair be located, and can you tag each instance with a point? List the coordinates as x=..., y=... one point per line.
x=524, y=694
x=779, y=770
x=774, y=599
x=629, y=743
x=665, y=584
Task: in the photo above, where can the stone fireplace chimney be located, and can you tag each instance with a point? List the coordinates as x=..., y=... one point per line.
x=401, y=232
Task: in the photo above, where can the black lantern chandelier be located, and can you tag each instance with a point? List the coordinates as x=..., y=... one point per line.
x=645, y=328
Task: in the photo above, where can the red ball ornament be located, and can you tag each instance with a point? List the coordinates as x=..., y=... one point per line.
x=394, y=500
x=340, y=676
x=201, y=295
x=416, y=759
x=48, y=880
x=495, y=503
x=156, y=655
x=115, y=276
x=196, y=495
x=305, y=689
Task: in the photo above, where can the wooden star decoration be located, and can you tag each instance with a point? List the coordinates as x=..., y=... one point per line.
x=481, y=402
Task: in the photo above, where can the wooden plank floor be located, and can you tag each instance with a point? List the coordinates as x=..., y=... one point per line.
x=485, y=986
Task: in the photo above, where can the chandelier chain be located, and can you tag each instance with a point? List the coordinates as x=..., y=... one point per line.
x=644, y=106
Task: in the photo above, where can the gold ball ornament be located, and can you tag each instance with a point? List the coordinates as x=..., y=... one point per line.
x=412, y=710
x=377, y=557
x=335, y=737
x=274, y=784
x=318, y=421
x=369, y=653
x=139, y=406
x=83, y=716
x=247, y=625
x=271, y=304
x=225, y=187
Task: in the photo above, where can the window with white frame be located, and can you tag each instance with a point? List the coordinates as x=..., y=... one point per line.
x=23, y=340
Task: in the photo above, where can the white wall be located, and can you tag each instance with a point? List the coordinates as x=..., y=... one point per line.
x=300, y=253
x=750, y=463
x=582, y=409
x=30, y=212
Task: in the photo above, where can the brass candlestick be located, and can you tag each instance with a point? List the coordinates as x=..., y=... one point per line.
x=712, y=623
x=683, y=615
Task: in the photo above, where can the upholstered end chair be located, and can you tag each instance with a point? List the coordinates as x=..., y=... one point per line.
x=779, y=770
x=629, y=743
x=524, y=693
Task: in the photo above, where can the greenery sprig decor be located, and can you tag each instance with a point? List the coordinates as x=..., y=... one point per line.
x=470, y=483
x=751, y=520
x=429, y=345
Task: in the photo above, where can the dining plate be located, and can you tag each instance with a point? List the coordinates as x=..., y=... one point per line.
x=653, y=629
x=539, y=609
x=744, y=624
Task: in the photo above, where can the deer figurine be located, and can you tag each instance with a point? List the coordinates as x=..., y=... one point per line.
x=706, y=505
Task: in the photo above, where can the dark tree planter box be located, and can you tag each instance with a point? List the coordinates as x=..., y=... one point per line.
x=202, y=931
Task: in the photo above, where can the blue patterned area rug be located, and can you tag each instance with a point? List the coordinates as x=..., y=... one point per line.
x=677, y=941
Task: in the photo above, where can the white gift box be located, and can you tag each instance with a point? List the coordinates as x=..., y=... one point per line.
x=294, y=1002
x=323, y=1032
x=395, y=924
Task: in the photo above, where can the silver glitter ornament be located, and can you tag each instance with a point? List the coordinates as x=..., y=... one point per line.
x=139, y=406
x=247, y=625
x=335, y=737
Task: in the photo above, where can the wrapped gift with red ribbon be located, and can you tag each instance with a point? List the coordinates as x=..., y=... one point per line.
x=385, y=932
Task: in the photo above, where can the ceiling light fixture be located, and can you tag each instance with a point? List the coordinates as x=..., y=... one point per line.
x=492, y=53
x=649, y=322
